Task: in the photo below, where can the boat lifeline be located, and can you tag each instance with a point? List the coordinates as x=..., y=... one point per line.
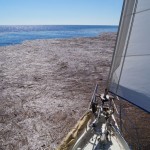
x=128, y=79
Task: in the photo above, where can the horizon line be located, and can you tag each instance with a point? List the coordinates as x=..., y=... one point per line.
x=57, y=25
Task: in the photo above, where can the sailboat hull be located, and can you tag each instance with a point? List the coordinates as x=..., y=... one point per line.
x=82, y=137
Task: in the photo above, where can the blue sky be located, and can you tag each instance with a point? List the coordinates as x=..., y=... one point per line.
x=60, y=12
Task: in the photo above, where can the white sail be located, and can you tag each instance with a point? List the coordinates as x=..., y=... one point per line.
x=130, y=72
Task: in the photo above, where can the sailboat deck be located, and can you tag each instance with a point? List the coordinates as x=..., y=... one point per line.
x=112, y=144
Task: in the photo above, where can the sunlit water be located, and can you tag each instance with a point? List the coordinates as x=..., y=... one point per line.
x=10, y=35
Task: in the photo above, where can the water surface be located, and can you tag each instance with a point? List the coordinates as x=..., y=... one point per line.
x=12, y=34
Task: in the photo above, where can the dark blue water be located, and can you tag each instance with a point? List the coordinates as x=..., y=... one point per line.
x=10, y=35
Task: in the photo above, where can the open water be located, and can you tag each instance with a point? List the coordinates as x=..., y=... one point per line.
x=15, y=34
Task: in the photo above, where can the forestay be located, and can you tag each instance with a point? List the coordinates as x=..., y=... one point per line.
x=130, y=71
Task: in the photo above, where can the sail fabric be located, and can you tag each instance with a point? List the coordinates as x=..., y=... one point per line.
x=130, y=72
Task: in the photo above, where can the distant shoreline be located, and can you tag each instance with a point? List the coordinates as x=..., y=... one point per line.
x=11, y=35
x=71, y=38
x=62, y=25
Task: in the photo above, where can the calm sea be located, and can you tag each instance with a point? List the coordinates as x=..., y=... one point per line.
x=10, y=35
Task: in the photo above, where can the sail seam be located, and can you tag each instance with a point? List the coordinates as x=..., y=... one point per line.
x=138, y=55
x=127, y=42
x=142, y=11
x=138, y=12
